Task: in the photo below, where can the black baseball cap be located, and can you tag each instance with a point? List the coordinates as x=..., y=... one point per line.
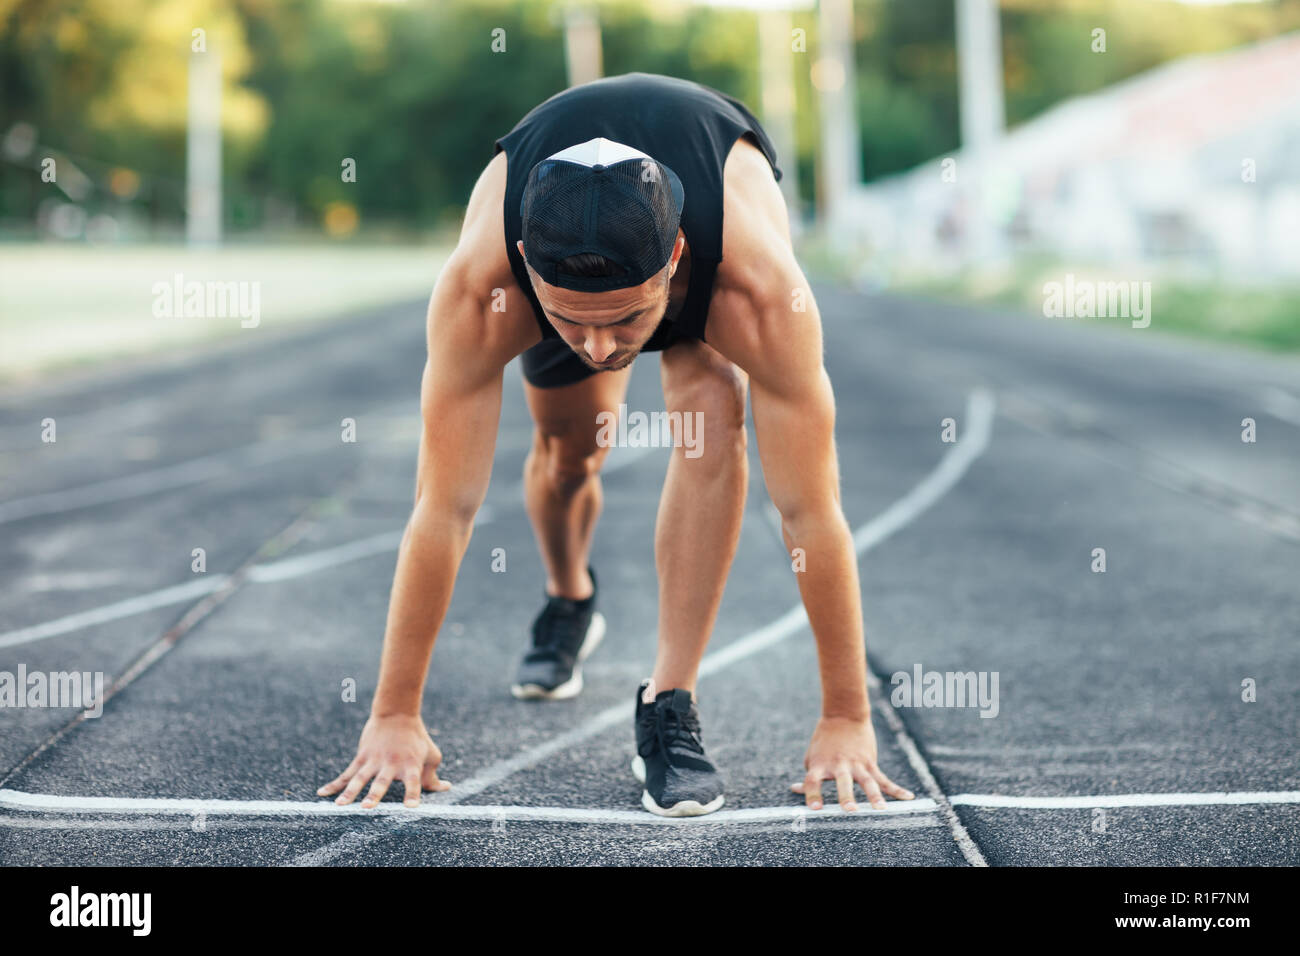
x=604, y=198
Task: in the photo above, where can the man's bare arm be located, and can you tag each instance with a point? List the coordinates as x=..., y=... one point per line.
x=460, y=403
x=765, y=319
x=469, y=345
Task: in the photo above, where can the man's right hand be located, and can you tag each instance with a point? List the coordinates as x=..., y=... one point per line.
x=391, y=748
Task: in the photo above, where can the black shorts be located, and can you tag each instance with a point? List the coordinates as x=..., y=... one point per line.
x=552, y=364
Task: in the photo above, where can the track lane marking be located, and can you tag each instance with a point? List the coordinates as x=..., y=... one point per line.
x=266, y=573
x=1212, y=799
x=53, y=804
x=1281, y=405
x=164, y=597
x=166, y=478
x=19, y=801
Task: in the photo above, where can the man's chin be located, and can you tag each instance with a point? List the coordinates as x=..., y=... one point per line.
x=611, y=366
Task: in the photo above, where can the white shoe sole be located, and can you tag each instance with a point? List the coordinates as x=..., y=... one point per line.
x=686, y=808
x=573, y=686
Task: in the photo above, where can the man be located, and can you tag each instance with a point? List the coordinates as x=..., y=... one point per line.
x=633, y=213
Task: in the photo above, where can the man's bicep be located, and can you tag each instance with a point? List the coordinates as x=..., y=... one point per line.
x=772, y=330
x=460, y=393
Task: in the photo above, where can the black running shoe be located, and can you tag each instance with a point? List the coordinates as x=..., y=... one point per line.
x=563, y=635
x=679, y=779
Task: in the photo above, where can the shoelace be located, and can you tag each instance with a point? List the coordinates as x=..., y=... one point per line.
x=674, y=730
x=555, y=633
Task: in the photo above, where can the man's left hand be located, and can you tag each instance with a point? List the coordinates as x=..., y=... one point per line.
x=844, y=750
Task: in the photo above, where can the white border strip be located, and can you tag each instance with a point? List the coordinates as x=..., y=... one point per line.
x=58, y=805
x=1224, y=798
x=52, y=804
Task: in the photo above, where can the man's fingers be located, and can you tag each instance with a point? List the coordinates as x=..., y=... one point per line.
x=844, y=789
x=431, y=781
x=891, y=788
x=339, y=782
x=431, y=764
x=869, y=787
x=378, y=788
x=411, y=783
x=359, y=780
x=812, y=789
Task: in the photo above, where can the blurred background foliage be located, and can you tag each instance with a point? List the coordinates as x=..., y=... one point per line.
x=414, y=92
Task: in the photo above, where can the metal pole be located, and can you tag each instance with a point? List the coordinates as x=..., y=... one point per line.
x=983, y=115
x=841, y=165
x=776, y=98
x=203, y=151
x=582, y=55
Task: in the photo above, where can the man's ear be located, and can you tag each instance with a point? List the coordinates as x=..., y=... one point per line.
x=678, y=248
x=519, y=244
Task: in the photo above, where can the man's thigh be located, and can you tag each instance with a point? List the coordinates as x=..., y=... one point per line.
x=565, y=416
x=697, y=378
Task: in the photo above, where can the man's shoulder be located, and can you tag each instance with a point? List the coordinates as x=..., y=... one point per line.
x=480, y=259
x=759, y=280
x=755, y=224
x=476, y=298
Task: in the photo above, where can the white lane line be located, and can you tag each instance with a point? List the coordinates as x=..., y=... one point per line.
x=275, y=571
x=141, y=483
x=164, y=597
x=980, y=410
x=54, y=804
x=262, y=574
x=43, y=583
x=201, y=823
x=231, y=461
x=1281, y=405
x=969, y=849
x=314, y=561
x=284, y=570
x=1162, y=472
x=1225, y=798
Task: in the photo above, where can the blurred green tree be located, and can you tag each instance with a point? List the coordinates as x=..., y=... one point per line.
x=415, y=93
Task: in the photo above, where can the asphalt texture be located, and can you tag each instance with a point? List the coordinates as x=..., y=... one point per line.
x=1110, y=684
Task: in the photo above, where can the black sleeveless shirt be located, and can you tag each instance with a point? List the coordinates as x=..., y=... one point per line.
x=688, y=127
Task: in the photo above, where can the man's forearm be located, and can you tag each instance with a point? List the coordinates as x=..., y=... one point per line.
x=830, y=592
x=430, y=555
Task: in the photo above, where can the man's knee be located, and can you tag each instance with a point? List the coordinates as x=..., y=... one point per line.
x=566, y=461
x=715, y=399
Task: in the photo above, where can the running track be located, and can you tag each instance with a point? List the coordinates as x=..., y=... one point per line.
x=1121, y=735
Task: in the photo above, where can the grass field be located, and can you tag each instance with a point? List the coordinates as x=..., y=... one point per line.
x=1221, y=309
x=65, y=305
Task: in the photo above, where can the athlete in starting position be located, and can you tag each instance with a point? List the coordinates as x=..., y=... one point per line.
x=622, y=216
